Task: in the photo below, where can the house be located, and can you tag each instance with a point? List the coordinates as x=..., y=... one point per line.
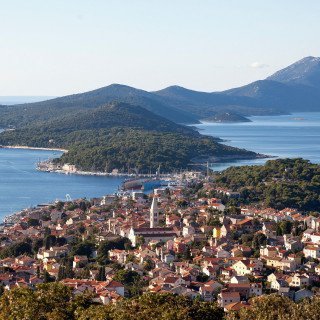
x=167, y=257
x=246, y=225
x=225, y=230
x=79, y=261
x=209, y=289
x=281, y=264
x=269, y=228
x=298, y=280
x=246, y=290
x=211, y=271
x=226, y=297
x=218, y=206
x=118, y=255
x=188, y=230
x=107, y=200
x=278, y=284
x=292, y=243
x=221, y=253
x=268, y=251
x=286, y=292
x=239, y=279
x=244, y=267
x=107, y=297
x=312, y=251
x=115, y=286
x=55, y=215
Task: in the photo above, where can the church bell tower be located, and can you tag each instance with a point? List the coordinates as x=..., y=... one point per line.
x=154, y=213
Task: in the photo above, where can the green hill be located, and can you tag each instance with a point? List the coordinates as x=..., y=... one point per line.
x=25, y=114
x=121, y=136
x=279, y=183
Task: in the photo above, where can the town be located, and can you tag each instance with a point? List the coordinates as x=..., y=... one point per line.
x=188, y=239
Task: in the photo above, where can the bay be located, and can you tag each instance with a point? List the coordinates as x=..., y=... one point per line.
x=22, y=186
x=286, y=136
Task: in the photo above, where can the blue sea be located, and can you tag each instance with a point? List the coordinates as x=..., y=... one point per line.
x=21, y=186
x=286, y=136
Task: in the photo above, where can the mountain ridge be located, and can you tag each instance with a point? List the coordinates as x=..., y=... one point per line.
x=305, y=71
x=293, y=88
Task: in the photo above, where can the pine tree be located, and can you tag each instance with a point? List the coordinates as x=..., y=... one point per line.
x=61, y=273
x=46, y=277
x=38, y=271
x=102, y=274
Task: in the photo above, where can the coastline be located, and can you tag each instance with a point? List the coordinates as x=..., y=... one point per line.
x=200, y=164
x=33, y=148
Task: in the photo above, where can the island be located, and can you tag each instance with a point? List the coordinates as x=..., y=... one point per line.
x=226, y=117
x=119, y=137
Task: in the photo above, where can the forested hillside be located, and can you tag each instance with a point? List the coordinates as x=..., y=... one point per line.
x=121, y=136
x=25, y=114
x=279, y=183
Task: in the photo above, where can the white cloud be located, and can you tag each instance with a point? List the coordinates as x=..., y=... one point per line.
x=258, y=65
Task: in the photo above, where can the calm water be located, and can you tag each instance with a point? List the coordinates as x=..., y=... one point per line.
x=296, y=135
x=21, y=186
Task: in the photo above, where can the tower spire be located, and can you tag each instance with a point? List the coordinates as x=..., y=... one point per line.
x=154, y=213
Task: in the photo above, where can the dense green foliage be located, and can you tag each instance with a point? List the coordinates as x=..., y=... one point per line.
x=145, y=150
x=275, y=307
x=279, y=183
x=16, y=249
x=120, y=136
x=55, y=302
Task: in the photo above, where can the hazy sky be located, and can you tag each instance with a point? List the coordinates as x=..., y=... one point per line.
x=57, y=47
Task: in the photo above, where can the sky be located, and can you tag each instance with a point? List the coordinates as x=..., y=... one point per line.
x=59, y=47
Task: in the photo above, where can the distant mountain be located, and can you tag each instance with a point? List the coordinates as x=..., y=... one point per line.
x=280, y=96
x=303, y=72
x=295, y=88
x=25, y=113
x=208, y=104
x=114, y=114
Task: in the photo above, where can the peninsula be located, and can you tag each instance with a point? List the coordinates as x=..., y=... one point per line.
x=122, y=137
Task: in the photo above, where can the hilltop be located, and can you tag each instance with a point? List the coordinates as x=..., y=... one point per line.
x=24, y=114
x=304, y=72
x=294, y=88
